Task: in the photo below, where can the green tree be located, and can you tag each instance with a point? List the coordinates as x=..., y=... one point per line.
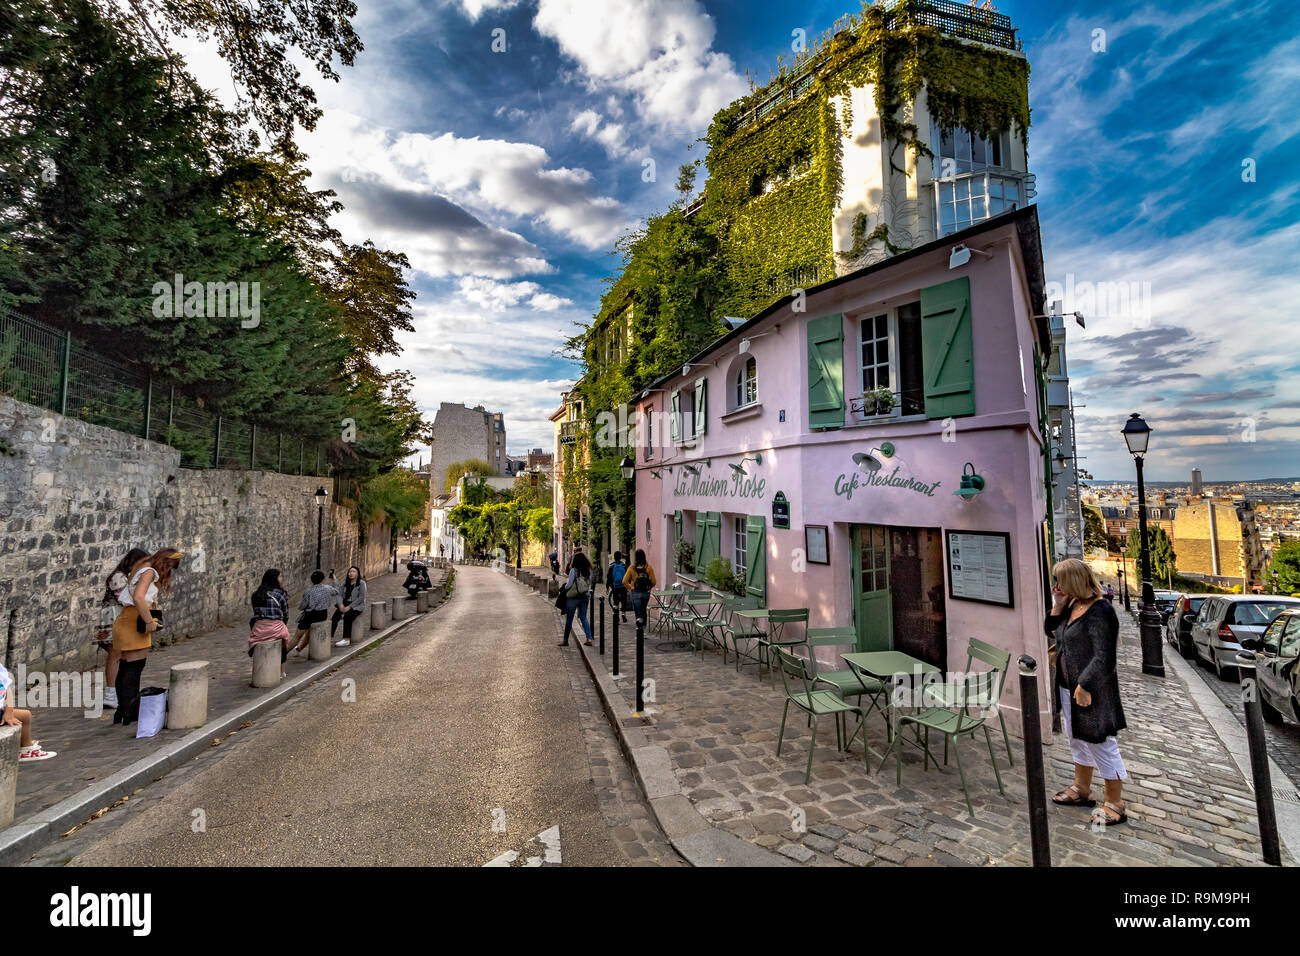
x=1286, y=564
x=540, y=524
x=471, y=466
x=1162, y=552
x=1094, y=530
x=398, y=497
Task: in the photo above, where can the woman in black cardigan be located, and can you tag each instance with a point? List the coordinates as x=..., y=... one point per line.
x=1087, y=634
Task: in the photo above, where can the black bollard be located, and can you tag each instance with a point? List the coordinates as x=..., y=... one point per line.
x=1035, y=785
x=591, y=609
x=1264, y=808
x=602, y=627
x=640, y=667
x=615, y=622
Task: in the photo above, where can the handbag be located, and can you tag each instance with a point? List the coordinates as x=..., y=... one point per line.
x=139, y=621
x=153, y=710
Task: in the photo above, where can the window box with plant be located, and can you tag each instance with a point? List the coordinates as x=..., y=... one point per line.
x=684, y=554
x=721, y=578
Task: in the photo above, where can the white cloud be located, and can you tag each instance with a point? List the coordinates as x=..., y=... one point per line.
x=612, y=136
x=659, y=51
x=497, y=296
x=476, y=8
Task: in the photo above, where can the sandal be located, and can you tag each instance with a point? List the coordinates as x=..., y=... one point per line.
x=1080, y=799
x=1103, y=813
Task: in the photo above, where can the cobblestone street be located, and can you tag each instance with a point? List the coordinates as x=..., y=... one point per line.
x=1186, y=800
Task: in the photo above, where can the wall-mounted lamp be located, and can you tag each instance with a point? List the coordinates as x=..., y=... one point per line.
x=739, y=468
x=748, y=339
x=872, y=461
x=971, y=483
x=657, y=475
x=686, y=369
x=695, y=469
x=961, y=255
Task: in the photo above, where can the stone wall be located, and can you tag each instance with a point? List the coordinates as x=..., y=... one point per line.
x=74, y=498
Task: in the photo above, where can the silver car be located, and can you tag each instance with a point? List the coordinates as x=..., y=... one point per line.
x=1275, y=667
x=1225, y=620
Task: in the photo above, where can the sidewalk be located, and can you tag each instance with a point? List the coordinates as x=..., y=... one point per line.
x=91, y=750
x=1187, y=800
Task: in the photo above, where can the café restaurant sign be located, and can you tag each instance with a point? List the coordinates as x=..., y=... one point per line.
x=705, y=486
x=846, y=485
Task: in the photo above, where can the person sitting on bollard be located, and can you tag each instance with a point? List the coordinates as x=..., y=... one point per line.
x=576, y=588
x=350, y=606
x=1087, y=687
x=28, y=749
x=270, y=615
x=617, y=590
x=640, y=581
x=315, y=606
x=417, y=579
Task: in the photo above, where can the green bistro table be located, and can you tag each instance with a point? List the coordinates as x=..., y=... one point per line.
x=706, y=617
x=884, y=666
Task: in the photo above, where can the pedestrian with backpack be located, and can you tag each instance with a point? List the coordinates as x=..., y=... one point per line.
x=576, y=588
x=614, y=584
x=640, y=581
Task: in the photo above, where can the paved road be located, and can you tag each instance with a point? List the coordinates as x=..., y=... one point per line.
x=461, y=714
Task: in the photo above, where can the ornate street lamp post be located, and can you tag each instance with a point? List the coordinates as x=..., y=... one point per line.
x=321, y=496
x=1136, y=434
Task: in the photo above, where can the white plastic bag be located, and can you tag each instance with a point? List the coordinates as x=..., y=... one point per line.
x=153, y=710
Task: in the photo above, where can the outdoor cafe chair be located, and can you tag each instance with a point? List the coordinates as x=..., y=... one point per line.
x=707, y=628
x=848, y=682
x=974, y=691
x=942, y=695
x=815, y=703
x=774, y=637
x=682, y=617
x=742, y=629
x=663, y=603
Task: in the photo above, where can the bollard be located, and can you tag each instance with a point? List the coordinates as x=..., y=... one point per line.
x=1264, y=808
x=401, y=608
x=616, y=674
x=319, y=647
x=640, y=667
x=422, y=602
x=9, y=738
x=187, y=695
x=378, y=615
x=602, y=625
x=1035, y=785
x=267, y=664
x=360, y=627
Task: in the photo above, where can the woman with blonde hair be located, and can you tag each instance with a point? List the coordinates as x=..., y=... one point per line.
x=150, y=578
x=1087, y=636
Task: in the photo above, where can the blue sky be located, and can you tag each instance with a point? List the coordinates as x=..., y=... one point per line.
x=506, y=176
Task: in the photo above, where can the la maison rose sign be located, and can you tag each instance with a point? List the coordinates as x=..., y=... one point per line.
x=845, y=485
x=705, y=486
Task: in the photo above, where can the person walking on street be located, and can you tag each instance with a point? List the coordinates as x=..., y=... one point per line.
x=150, y=578
x=117, y=580
x=1110, y=594
x=270, y=620
x=1086, y=632
x=576, y=588
x=640, y=581
x=350, y=606
x=315, y=605
x=614, y=584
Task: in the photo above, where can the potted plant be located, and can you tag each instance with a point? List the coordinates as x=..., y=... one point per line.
x=719, y=575
x=684, y=553
x=880, y=401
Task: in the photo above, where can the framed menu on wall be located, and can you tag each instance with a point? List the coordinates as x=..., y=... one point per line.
x=979, y=567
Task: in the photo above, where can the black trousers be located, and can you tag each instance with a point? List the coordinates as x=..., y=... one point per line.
x=127, y=686
x=347, y=620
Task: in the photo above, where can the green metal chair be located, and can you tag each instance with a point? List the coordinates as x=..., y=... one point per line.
x=708, y=624
x=663, y=602
x=742, y=629
x=681, y=619
x=845, y=683
x=942, y=695
x=815, y=703
x=975, y=691
x=774, y=637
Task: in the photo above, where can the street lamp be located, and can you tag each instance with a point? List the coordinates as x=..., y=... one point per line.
x=628, y=467
x=1137, y=434
x=321, y=497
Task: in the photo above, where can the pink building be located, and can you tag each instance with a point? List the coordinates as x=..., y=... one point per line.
x=854, y=408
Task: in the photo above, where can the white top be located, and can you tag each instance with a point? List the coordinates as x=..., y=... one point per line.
x=127, y=597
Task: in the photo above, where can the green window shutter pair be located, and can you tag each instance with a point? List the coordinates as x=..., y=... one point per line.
x=947, y=348
x=826, y=372
x=708, y=538
x=756, y=557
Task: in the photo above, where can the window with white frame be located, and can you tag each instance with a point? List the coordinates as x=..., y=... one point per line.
x=745, y=384
x=740, y=539
x=971, y=182
x=891, y=361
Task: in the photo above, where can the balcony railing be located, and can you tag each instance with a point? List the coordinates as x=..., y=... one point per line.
x=569, y=432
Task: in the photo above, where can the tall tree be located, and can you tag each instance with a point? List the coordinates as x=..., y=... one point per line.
x=1161, y=549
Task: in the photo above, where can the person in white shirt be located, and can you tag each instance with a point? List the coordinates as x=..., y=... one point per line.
x=28, y=749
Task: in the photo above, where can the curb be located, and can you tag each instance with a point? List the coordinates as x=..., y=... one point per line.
x=698, y=841
x=22, y=839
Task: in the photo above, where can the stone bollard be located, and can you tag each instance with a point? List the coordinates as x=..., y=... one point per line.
x=319, y=648
x=422, y=602
x=378, y=615
x=9, y=737
x=267, y=664
x=187, y=695
x=360, y=629
x=401, y=608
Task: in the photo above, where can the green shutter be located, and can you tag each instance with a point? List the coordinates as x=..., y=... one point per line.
x=756, y=557
x=700, y=543
x=675, y=416
x=677, y=536
x=711, y=522
x=826, y=372
x=701, y=393
x=947, y=349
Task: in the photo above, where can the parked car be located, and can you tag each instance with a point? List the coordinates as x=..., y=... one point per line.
x=1276, y=678
x=1178, y=625
x=1225, y=620
x=1165, y=601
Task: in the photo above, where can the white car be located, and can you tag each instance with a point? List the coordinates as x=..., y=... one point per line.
x=1225, y=620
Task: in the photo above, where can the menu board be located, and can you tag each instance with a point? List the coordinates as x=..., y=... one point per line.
x=979, y=567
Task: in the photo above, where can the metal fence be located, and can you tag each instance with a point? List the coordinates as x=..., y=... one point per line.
x=50, y=368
